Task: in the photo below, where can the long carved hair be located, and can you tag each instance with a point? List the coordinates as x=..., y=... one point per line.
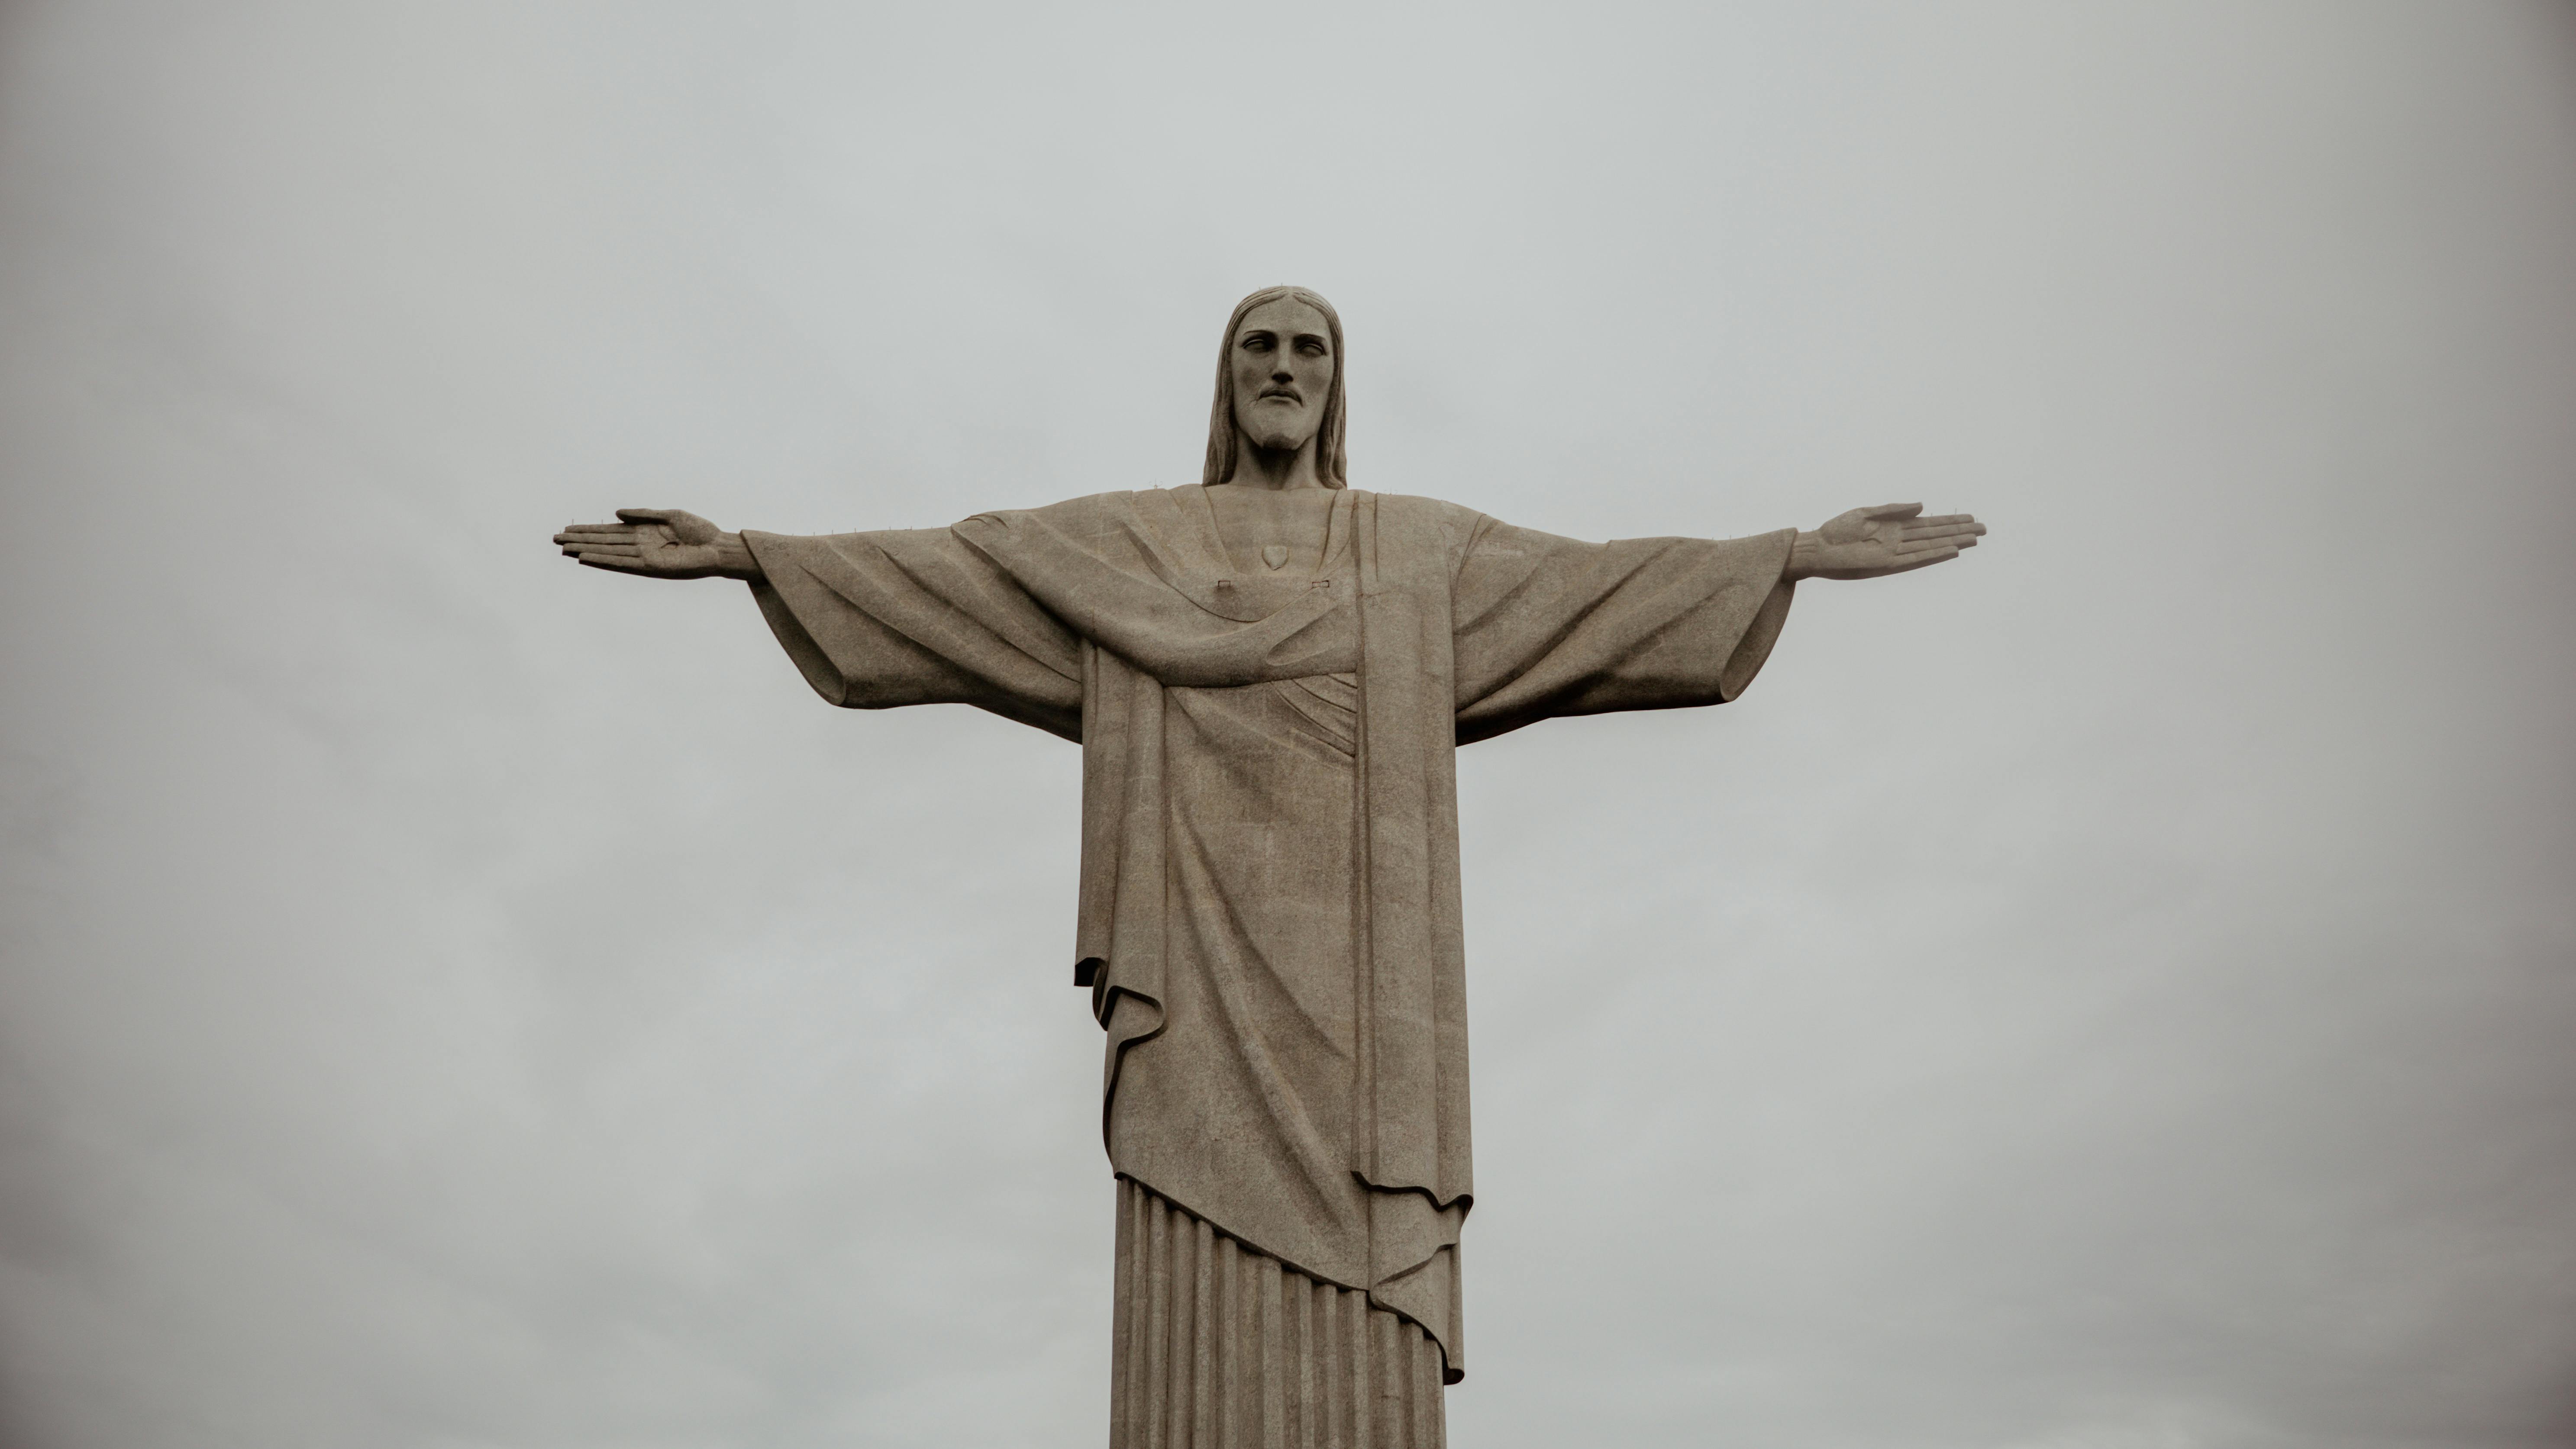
x=1332, y=467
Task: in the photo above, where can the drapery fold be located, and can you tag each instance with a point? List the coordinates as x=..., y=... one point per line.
x=1269, y=915
x=1216, y=1345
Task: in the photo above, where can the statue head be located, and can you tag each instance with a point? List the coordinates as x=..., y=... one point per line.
x=1279, y=383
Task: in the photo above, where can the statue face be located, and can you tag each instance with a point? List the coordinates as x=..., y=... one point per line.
x=1283, y=369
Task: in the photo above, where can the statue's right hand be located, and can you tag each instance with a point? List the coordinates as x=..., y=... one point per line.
x=659, y=543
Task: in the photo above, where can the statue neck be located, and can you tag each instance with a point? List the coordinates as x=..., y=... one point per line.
x=1276, y=468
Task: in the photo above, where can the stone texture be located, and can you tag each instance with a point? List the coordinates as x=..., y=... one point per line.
x=1269, y=920
x=1218, y=1345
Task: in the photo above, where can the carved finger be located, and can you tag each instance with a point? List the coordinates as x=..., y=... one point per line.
x=1911, y=547
x=646, y=515
x=626, y=550
x=612, y=562
x=578, y=532
x=1889, y=512
x=1907, y=563
x=1915, y=531
x=1931, y=519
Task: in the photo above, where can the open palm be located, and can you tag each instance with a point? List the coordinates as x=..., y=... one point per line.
x=660, y=543
x=1868, y=543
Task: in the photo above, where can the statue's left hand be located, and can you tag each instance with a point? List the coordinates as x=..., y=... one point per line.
x=1867, y=543
x=659, y=543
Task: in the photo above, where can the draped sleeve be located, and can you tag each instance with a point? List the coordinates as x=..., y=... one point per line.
x=917, y=616
x=1550, y=626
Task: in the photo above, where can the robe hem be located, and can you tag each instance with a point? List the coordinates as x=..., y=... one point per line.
x=1449, y=1374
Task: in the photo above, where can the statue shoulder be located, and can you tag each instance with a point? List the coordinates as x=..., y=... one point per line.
x=1455, y=525
x=1074, y=515
x=1434, y=507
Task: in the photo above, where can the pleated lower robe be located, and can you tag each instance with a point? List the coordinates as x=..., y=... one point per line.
x=1220, y=1346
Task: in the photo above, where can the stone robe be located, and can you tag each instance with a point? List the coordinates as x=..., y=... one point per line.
x=1269, y=922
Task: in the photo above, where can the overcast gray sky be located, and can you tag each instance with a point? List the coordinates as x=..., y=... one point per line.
x=2115, y=992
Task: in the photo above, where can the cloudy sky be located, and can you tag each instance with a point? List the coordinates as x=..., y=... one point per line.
x=2114, y=992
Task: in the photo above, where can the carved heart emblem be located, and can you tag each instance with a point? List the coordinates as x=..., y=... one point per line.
x=1274, y=554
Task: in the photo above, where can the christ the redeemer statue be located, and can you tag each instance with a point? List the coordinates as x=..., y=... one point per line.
x=1268, y=674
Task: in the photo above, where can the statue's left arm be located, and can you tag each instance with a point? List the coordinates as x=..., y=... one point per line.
x=1548, y=626
x=872, y=620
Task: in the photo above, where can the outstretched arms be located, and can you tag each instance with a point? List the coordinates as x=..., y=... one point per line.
x=660, y=543
x=1548, y=626
x=1867, y=543
x=872, y=620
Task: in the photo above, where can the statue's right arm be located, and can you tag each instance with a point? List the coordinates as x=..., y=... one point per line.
x=660, y=543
